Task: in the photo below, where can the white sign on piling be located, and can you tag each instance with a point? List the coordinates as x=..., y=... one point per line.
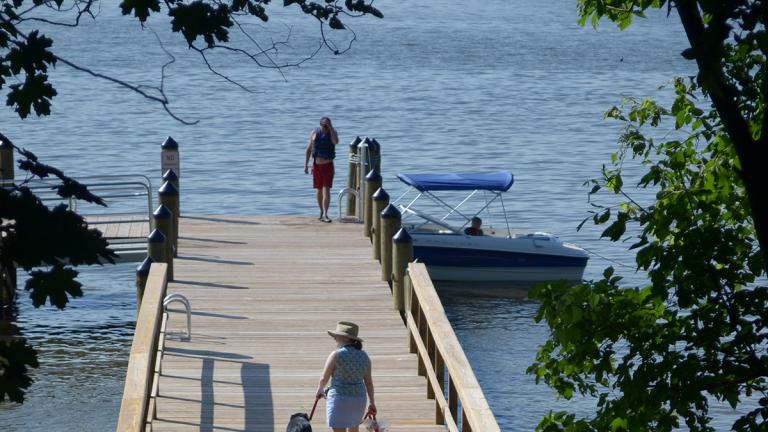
x=169, y=157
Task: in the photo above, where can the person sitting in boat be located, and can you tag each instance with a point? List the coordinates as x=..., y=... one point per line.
x=474, y=229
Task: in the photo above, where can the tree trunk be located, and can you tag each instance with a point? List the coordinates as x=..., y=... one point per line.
x=753, y=155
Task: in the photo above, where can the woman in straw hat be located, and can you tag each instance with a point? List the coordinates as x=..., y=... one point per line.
x=350, y=370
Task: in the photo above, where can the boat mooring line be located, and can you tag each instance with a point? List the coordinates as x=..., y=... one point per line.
x=605, y=258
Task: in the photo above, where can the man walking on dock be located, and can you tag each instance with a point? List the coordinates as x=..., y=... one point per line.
x=322, y=147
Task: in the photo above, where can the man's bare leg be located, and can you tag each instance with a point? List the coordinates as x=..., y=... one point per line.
x=326, y=201
x=320, y=201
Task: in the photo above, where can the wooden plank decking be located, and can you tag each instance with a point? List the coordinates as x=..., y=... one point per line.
x=126, y=234
x=263, y=292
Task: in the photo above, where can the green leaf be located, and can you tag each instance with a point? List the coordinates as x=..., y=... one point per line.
x=16, y=357
x=55, y=285
x=141, y=8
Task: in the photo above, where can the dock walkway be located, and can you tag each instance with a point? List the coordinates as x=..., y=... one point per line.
x=264, y=290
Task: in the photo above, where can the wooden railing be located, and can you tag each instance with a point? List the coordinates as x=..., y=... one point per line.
x=432, y=338
x=140, y=379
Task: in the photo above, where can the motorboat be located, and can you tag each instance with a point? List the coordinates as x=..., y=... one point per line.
x=451, y=254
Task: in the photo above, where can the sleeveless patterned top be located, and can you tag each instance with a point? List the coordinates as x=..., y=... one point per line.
x=351, y=366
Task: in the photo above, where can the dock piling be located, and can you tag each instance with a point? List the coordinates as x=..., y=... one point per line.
x=156, y=246
x=8, y=269
x=6, y=160
x=164, y=223
x=402, y=254
x=168, y=196
x=390, y=224
x=142, y=273
x=169, y=157
x=372, y=184
x=172, y=177
x=352, y=177
x=380, y=200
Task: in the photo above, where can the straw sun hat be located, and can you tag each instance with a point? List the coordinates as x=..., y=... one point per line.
x=346, y=329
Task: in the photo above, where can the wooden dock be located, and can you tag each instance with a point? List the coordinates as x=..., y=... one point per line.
x=263, y=292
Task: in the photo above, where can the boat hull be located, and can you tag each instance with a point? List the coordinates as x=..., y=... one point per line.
x=518, y=275
x=531, y=259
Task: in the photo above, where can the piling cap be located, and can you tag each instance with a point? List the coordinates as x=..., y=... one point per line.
x=143, y=268
x=376, y=143
x=170, y=144
x=390, y=212
x=380, y=195
x=162, y=212
x=372, y=176
x=167, y=189
x=170, y=175
x=156, y=236
x=402, y=236
x=371, y=144
x=355, y=142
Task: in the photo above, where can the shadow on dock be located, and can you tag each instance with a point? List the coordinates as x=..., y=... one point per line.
x=205, y=240
x=210, y=284
x=215, y=219
x=213, y=260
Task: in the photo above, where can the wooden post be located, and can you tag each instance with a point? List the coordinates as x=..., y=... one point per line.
x=422, y=325
x=352, y=177
x=430, y=360
x=402, y=254
x=168, y=196
x=156, y=246
x=390, y=223
x=7, y=285
x=440, y=373
x=6, y=160
x=376, y=155
x=7, y=271
x=414, y=308
x=372, y=184
x=142, y=273
x=169, y=157
x=164, y=223
x=453, y=399
x=171, y=177
x=380, y=200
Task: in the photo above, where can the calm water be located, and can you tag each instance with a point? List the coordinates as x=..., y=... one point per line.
x=442, y=85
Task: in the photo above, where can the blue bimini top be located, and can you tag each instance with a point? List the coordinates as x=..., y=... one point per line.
x=496, y=181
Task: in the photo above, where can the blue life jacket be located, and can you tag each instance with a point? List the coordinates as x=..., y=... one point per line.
x=322, y=146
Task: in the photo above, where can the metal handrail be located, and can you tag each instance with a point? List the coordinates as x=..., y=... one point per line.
x=344, y=192
x=116, y=186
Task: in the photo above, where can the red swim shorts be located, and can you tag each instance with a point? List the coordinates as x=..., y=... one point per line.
x=322, y=175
